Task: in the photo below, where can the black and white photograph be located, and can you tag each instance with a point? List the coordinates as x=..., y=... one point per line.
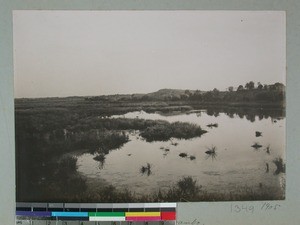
x=149, y=106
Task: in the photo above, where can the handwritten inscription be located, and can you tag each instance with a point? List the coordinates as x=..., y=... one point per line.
x=248, y=208
x=192, y=222
x=268, y=206
x=237, y=208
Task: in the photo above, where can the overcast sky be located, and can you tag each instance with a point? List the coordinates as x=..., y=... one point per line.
x=83, y=53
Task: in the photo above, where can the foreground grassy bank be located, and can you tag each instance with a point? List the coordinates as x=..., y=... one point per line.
x=184, y=190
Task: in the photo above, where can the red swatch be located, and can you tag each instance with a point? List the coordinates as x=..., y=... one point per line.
x=168, y=215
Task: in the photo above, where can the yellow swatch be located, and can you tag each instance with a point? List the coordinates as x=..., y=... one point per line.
x=135, y=214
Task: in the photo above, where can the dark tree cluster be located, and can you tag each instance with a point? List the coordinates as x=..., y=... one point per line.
x=248, y=93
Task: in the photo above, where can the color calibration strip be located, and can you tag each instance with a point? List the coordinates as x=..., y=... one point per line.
x=103, y=216
x=166, y=213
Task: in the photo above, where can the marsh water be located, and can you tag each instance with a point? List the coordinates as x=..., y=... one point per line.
x=235, y=164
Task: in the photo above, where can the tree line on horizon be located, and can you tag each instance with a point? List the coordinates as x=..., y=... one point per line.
x=243, y=93
x=247, y=93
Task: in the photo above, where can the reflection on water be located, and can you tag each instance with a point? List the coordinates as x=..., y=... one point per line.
x=234, y=163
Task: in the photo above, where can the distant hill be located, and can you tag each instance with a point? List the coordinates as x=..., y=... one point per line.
x=165, y=94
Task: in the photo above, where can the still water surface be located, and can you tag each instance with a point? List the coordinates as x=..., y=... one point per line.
x=236, y=164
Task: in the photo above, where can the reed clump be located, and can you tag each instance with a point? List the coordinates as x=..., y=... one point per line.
x=280, y=165
x=166, y=131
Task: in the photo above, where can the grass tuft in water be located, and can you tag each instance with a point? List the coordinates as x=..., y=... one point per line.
x=146, y=169
x=280, y=165
x=211, y=125
x=256, y=146
x=100, y=158
x=268, y=149
x=258, y=133
x=211, y=152
x=183, y=155
x=192, y=157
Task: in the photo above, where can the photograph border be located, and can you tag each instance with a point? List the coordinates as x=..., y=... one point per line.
x=187, y=213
